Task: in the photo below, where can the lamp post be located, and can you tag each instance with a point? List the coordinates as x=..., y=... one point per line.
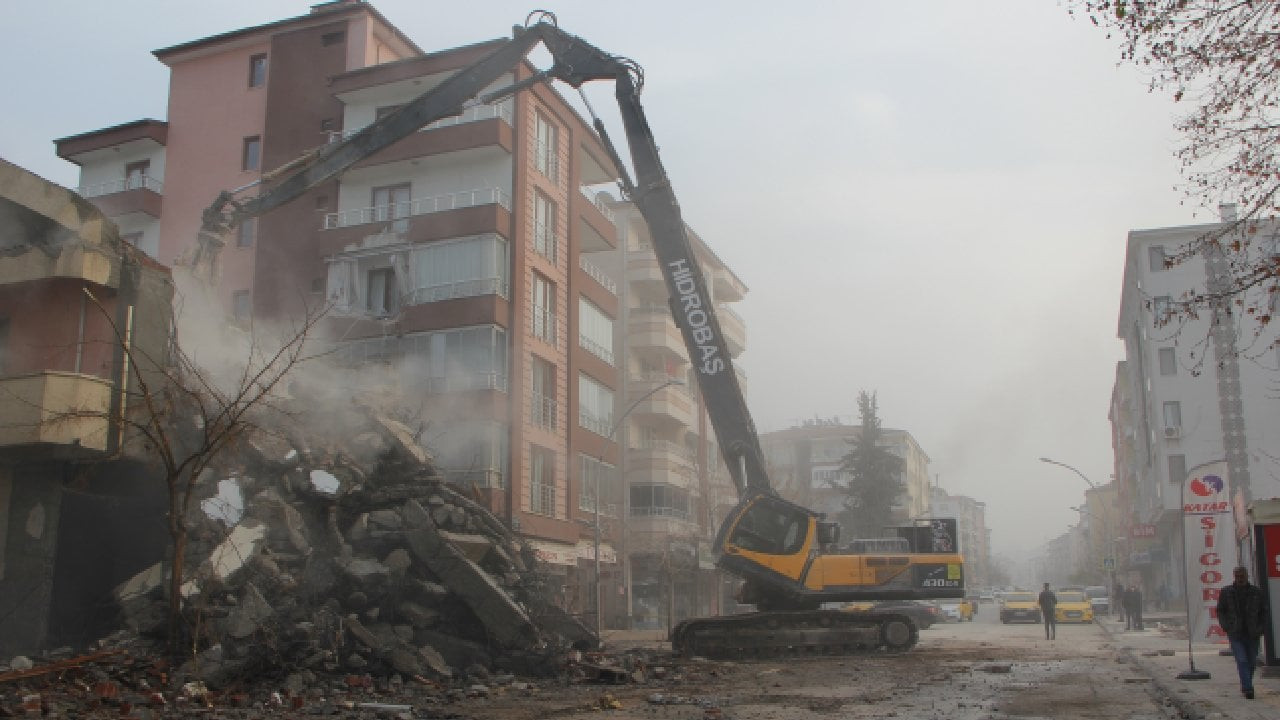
x=1106, y=528
x=617, y=423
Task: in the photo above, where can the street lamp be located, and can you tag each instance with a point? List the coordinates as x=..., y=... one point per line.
x=617, y=423
x=1106, y=527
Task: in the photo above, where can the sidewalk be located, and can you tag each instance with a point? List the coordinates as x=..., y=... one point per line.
x=1161, y=649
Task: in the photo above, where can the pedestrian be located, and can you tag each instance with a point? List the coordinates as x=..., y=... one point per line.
x=1133, y=607
x=1049, y=611
x=1163, y=596
x=1117, y=600
x=1242, y=613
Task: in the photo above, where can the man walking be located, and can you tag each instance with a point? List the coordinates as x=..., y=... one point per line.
x=1133, y=607
x=1242, y=613
x=1049, y=609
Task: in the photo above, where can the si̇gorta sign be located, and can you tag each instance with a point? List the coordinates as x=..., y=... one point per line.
x=1209, y=541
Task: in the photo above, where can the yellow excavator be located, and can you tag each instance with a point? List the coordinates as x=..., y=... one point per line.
x=788, y=555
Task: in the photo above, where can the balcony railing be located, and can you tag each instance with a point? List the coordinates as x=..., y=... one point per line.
x=676, y=513
x=546, y=243
x=594, y=197
x=666, y=446
x=543, y=411
x=595, y=348
x=542, y=499
x=598, y=275
x=419, y=206
x=601, y=426
x=472, y=114
x=544, y=324
x=133, y=182
x=468, y=381
x=460, y=289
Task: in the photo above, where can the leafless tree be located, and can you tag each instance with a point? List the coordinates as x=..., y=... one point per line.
x=1221, y=60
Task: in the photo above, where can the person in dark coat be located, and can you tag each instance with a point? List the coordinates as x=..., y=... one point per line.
x=1117, y=601
x=1133, y=608
x=1049, y=611
x=1242, y=613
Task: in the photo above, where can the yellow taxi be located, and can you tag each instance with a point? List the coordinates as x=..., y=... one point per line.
x=1020, y=607
x=1073, y=607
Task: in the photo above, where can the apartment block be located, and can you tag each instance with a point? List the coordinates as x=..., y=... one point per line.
x=971, y=526
x=805, y=460
x=83, y=315
x=1189, y=392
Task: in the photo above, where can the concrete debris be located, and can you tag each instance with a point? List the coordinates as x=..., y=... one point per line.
x=353, y=555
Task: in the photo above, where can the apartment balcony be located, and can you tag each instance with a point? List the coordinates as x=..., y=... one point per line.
x=596, y=273
x=126, y=196
x=484, y=126
x=81, y=262
x=398, y=214
x=644, y=273
x=595, y=221
x=734, y=329
x=661, y=455
x=659, y=522
x=672, y=403
x=676, y=474
x=453, y=215
x=651, y=327
x=56, y=409
x=726, y=286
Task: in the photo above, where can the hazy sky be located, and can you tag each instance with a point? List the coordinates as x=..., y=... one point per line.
x=928, y=200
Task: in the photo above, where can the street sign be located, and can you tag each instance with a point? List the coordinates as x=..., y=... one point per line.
x=1108, y=563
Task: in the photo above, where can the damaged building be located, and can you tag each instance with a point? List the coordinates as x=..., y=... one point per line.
x=77, y=514
x=475, y=268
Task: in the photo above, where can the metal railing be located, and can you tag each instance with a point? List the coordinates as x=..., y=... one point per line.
x=598, y=275
x=595, y=348
x=598, y=425
x=667, y=446
x=488, y=478
x=471, y=114
x=676, y=513
x=546, y=243
x=594, y=197
x=460, y=289
x=544, y=324
x=468, y=381
x=417, y=206
x=543, y=411
x=542, y=499
x=133, y=182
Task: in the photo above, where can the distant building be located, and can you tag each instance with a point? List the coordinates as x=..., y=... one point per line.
x=975, y=537
x=1188, y=393
x=805, y=460
x=78, y=512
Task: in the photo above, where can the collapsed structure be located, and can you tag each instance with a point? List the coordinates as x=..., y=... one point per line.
x=344, y=550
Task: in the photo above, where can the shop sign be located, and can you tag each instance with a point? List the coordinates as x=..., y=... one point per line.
x=587, y=551
x=1207, y=524
x=1142, y=531
x=554, y=553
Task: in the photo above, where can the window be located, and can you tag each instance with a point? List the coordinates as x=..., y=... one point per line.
x=1173, y=414
x=543, y=307
x=542, y=394
x=470, y=358
x=1168, y=361
x=663, y=500
x=392, y=203
x=251, y=157
x=546, y=147
x=1177, y=468
x=544, y=226
x=771, y=527
x=593, y=472
x=247, y=231
x=459, y=268
x=382, y=292
x=595, y=330
x=1156, y=258
x=135, y=174
x=333, y=38
x=132, y=238
x=542, y=481
x=472, y=453
x=1161, y=307
x=595, y=406
x=258, y=70
x=240, y=307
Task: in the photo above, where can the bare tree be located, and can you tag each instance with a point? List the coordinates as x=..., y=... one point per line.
x=186, y=419
x=1221, y=59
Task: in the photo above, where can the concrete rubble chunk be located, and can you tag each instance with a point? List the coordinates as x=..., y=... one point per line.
x=501, y=616
x=366, y=571
x=241, y=545
x=418, y=615
x=402, y=440
x=475, y=547
x=249, y=614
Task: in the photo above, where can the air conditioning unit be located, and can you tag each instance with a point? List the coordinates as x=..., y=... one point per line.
x=1172, y=433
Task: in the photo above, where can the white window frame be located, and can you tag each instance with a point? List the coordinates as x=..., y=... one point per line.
x=595, y=330
x=546, y=150
x=595, y=405
x=542, y=307
x=545, y=240
x=1167, y=361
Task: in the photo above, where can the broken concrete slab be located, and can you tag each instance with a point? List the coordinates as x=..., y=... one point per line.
x=241, y=545
x=248, y=615
x=474, y=547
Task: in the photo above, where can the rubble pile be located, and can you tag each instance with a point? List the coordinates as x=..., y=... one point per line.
x=350, y=554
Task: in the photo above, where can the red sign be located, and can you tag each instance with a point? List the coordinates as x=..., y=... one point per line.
x=1271, y=535
x=1142, y=531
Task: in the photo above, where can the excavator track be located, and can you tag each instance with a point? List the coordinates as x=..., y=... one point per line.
x=766, y=635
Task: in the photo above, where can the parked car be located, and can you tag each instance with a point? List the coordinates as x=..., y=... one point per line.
x=1099, y=599
x=1020, y=607
x=956, y=611
x=987, y=596
x=1073, y=607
